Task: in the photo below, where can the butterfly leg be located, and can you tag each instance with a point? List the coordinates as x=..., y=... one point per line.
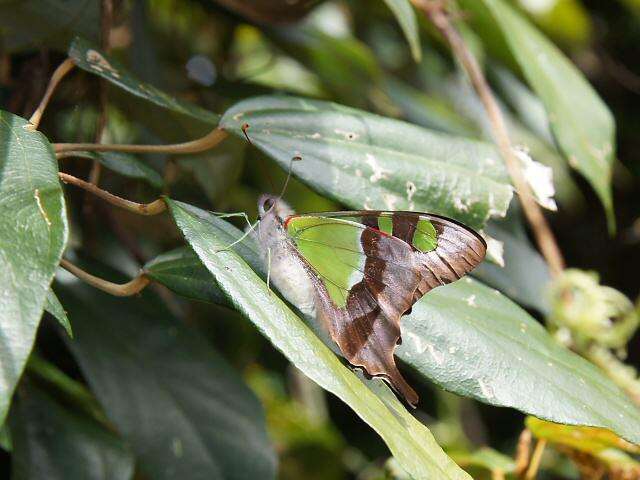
x=248, y=232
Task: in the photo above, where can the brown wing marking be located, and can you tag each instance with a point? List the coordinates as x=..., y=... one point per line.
x=367, y=329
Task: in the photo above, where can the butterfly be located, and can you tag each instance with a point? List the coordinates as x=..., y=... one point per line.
x=359, y=272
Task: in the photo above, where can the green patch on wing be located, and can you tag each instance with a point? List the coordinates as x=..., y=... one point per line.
x=385, y=224
x=332, y=247
x=425, y=237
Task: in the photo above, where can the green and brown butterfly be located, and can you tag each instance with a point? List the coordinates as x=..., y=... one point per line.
x=359, y=272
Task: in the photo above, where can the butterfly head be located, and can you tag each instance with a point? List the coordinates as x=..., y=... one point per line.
x=273, y=208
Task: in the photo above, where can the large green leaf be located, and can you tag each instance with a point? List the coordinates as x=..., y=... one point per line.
x=90, y=58
x=52, y=442
x=409, y=441
x=367, y=161
x=181, y=407
x=406, y=17
x=474, y=341
x=581, y=122
x=182, y=272
x=33, y=233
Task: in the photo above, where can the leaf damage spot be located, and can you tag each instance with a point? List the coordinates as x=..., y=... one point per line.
x=460, y=204
x=36, y=195
x=471, y=301
x=379, y=173
x=411, y=191
x=351, y=136
x=390, y=201
x=486, y=389
x=100, y=64
x=435, y=354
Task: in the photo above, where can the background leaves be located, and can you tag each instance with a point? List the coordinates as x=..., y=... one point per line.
x=50, y=441
x=172, y=397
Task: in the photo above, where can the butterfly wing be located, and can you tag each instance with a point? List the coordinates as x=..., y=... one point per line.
x=369, y=268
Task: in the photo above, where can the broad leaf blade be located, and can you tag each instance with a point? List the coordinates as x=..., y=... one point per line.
x=33, y=232
x=52, y=442
x=180, y=406
x=55, y=308
x=410, y=442
x=407, y=19
x=367, y=161
x=581, y=122
x=89, y=58
x=473, y=341
x=182, y=272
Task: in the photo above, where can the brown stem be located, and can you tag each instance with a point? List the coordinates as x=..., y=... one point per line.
x=210, y=140
x=534, y=466
x=128, y=289
x=153, y=208
x=106, y=17
x=60, y=72
x=523, y=452
x=544, y=236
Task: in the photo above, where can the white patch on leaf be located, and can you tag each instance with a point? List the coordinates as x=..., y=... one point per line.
x=378, y=172
x=435, y=354
x=460, y=204
x=390, y=201
x=539, y=177
x=471, y=301
x=486, y=389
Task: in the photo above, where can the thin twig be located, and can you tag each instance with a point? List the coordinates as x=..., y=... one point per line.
x=153, y=208
x=128, y=289
x=497, y=475
x=523, y=452
x=545, y=239
x=106, y=21
x=210, y=140
x=60, y=72
x=534, y=466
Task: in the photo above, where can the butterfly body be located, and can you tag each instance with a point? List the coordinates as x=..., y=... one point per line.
x=366, y=269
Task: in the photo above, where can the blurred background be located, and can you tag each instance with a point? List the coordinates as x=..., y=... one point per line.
x=215, y=53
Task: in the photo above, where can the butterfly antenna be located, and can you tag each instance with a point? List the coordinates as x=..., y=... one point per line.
x=297, y=158
x=245, y=127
